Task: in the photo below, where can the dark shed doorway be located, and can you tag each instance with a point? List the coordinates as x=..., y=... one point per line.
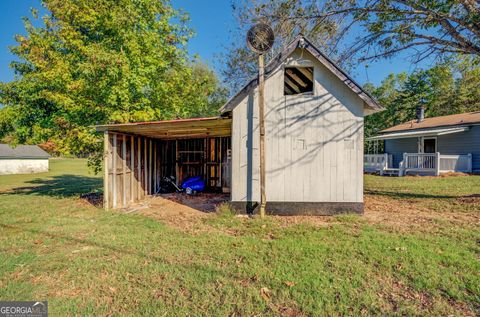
x=138, y=155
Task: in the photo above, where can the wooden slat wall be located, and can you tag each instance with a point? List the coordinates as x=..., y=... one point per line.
x=134, y=165
x=131, y=169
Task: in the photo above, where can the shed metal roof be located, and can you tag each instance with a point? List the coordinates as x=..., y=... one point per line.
x=22, y=152
x=174, y=129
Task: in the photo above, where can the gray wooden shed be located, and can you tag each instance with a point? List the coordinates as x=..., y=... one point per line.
x=314, y=116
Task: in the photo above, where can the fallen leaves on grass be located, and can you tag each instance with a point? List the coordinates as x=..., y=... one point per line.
x=265, y=293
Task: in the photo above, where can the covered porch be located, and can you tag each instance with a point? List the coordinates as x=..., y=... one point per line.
x=425, y=152
x=137, y=156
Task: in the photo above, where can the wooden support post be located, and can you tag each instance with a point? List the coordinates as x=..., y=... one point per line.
x=177, y=169
x=124, y=171
x=261, y=106
x=437, y=163
x=132, y=169
x=114, y=171
x=107, y=152
x=220, y=160
x=155, y=167
x=145, y=174
x=139, y=168
x=150, y=169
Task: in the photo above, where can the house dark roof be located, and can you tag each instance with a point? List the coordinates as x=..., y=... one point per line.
x=322, y=58
x=436, y=122
x=22, y=152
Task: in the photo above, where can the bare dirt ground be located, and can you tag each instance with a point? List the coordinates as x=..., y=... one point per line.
x=183, y=211
x=406, y=213
x=186, y=212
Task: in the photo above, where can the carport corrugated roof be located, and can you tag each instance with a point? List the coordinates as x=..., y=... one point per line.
x=174, y=129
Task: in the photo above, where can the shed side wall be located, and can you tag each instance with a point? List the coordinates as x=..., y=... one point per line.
x=314, y=143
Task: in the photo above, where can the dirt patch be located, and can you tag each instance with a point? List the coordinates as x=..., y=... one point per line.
x=95, y=199
x=404, y=214
x=470, y=199
x=182, y=211
x=187, y=213
x=204, y=202
x=317, y=221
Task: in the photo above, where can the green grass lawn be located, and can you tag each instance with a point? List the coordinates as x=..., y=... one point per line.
x=85, y=261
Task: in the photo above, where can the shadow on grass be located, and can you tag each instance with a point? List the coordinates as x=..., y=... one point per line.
x=399, y=195
x=67, y=185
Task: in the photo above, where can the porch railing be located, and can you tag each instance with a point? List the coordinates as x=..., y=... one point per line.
x=377, y=162
x=419, y=162
x=435, y=163
x=456, y=163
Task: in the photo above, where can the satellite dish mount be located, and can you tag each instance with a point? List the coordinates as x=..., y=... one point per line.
x=260, y=38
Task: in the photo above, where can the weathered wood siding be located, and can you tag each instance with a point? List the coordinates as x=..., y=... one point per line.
x=314, y=143
x=130, y=172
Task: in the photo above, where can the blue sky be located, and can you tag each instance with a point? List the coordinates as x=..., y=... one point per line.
x=211, y=19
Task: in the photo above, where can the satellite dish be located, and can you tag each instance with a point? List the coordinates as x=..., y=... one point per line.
x=260, y=38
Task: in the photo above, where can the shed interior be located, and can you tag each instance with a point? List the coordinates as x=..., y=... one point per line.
x=138, y=156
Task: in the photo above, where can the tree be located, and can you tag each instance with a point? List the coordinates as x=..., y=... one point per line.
x=447, y=88
x=440, y=27
x=240, y=63
x=97, y=62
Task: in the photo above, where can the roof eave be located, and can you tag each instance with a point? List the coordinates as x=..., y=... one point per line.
x=369, y=100
x=419, y=133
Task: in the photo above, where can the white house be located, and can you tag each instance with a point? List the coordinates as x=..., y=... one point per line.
x=22, y=159
x=314, y=116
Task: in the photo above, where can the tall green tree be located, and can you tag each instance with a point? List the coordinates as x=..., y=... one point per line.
x=383, y=28
x=101, y=61
x=240, y=63
x=447, y=88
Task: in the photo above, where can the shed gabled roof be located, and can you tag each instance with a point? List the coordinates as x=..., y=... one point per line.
x=322, y=58
x=437, y=122
x=22, y=152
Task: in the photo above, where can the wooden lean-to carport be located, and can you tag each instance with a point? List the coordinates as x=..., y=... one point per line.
x=138, y=155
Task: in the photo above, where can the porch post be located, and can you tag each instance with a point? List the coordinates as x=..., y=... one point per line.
x=401, y=171
x=437, y=163
x=470, y=168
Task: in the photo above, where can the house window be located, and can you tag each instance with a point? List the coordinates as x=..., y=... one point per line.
x=298, y=80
